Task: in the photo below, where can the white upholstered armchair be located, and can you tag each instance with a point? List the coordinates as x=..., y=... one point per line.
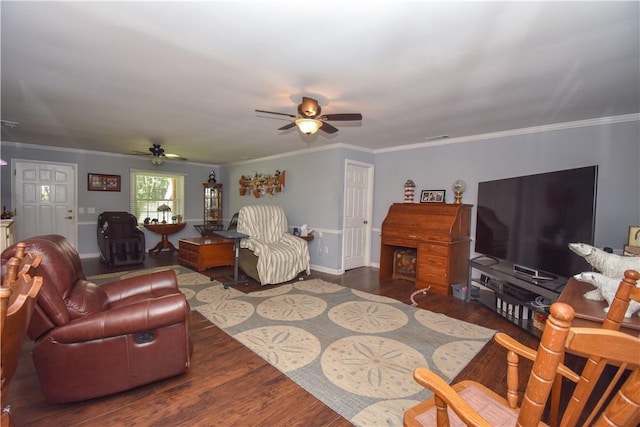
x=280, y=255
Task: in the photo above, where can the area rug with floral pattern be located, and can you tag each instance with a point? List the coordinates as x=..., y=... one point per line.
x=352, y=350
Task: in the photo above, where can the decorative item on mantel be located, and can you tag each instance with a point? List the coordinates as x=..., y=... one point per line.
x=6, y=214
x=459, y=187
x=261, y=184
x=212, y=178
x=409, y=190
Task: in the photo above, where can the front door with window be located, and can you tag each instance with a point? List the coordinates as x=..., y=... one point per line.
x=45, y=200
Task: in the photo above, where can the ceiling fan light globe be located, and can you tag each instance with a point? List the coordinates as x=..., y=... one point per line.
x=156, y=160
x=308, y=126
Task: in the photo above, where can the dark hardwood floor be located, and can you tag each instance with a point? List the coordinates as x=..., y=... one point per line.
x=230, y=385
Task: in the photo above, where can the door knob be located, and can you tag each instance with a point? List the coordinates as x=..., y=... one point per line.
x=68, y=217
x=366, y=222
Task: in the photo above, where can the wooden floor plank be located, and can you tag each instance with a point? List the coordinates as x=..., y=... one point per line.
x=228, y=384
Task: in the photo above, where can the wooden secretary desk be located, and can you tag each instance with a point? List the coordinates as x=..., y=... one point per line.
x=440, y=233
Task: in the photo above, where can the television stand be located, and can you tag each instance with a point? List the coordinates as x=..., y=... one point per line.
x=530, y=273
x=524, y=300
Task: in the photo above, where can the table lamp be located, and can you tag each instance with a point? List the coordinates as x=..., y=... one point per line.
x=164, y=209
x=459, y=187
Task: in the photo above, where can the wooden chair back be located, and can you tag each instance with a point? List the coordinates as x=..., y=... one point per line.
x=18, y=293
x=599, y=345
x=602, y=339
x=627, y=291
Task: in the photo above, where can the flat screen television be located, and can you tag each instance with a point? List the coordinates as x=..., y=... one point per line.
x=530, y=220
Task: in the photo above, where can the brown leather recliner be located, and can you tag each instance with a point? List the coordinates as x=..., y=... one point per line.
x=91, y=340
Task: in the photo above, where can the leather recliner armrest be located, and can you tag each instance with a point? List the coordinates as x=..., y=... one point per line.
x=153, y=284
x=141, y=316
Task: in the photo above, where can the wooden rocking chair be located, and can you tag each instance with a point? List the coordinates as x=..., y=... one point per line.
x=18, y=293
x=470, y=403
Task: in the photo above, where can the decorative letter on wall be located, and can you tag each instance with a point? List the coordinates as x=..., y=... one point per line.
x=259, y=185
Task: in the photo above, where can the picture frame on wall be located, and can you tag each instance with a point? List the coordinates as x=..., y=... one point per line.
x=634, y=236
x=432, y=196
x=102, y=182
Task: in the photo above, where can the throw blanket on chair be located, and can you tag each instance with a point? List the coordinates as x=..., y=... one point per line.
x=281, y=255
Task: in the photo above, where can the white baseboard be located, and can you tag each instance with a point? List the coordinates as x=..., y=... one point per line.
x=322, y=269
x=90, y=255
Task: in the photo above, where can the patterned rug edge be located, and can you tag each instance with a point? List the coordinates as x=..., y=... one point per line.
x=385, y=411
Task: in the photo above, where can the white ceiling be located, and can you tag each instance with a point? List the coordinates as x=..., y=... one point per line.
x=110, y=76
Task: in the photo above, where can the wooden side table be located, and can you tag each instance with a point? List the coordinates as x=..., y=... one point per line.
x=202, y=253
x=308, y=237
x=164, y=230
x=589, y=313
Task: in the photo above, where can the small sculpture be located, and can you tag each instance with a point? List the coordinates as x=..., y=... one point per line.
x=409, y=189
x=611, y=265
x=5, y=213
x=611, y=268
x=459, y=187
x=606, y=288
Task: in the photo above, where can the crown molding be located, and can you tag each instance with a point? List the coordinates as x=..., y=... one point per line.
x=95, y=152
x=494, y=135
x=304, y=151
x=517, y=132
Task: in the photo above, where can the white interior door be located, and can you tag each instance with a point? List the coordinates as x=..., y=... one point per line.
x=44, y=197
x=357, y=214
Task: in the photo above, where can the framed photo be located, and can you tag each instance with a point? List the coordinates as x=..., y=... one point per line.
x=101, y=182
x=634, y=236
x=432, y=196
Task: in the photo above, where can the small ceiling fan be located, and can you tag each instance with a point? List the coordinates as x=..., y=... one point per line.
x=309, y=118
x=157, y=155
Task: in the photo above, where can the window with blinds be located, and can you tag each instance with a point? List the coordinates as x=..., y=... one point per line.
x=156, y=195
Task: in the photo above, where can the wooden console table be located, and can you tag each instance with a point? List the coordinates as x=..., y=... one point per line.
x=202, y=253
x=441, y=234
x=164, y=230
x=590, y=314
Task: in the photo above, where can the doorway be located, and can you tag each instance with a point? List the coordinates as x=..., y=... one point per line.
x=358, y=199
x=44, y=197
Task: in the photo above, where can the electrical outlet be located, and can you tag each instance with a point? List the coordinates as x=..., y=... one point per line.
x=91, y=210
x=81, y=211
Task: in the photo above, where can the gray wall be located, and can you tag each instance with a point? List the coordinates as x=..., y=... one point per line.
x=315, y=179
x=615, y=148
x=89, y=162
x=312, y=195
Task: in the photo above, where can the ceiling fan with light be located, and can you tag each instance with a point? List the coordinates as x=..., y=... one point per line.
x=309, y=118
x=157, y=155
